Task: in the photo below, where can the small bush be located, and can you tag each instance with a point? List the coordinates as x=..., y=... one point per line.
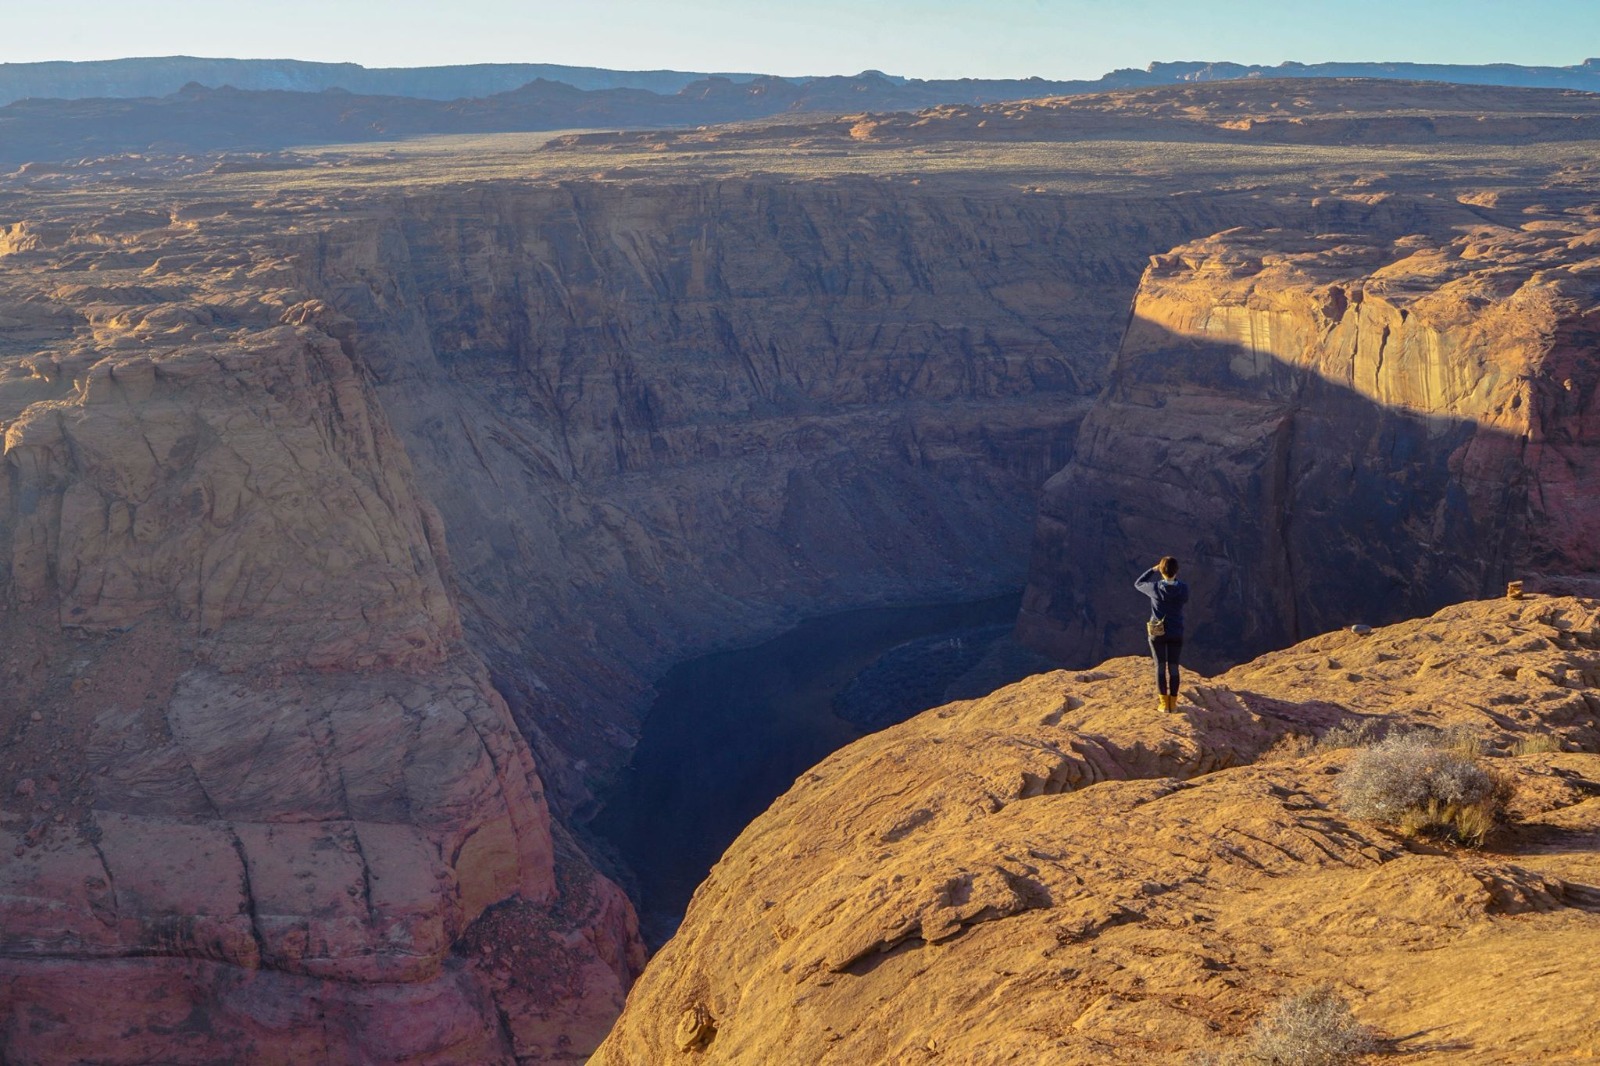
x=1462, y=740
x=1536, y=744
x=1368, y=732
x=1358, y=733
x=1312, y=1028
x=1418, y=783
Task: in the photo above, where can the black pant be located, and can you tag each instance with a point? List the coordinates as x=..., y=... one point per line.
x=1165, y=651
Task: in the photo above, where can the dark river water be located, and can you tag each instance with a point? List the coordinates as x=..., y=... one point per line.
x=730, y=732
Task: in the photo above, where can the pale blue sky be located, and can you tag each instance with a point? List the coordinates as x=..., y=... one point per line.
x=918, y=38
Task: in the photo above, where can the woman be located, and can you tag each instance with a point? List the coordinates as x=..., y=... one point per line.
x=1167, y=597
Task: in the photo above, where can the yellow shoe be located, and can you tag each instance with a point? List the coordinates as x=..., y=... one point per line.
x=1171, y=703
x=1161, y=703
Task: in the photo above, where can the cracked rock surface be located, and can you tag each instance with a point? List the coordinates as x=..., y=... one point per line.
x=1058, y=873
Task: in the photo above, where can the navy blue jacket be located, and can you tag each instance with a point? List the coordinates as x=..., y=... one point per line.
x=1166, y=600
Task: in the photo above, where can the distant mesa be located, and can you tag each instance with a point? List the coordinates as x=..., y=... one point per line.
x=69, y=111
x=161, y=76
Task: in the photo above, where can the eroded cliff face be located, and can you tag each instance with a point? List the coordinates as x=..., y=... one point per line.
x=659, y=419
x=263, y=765
x=257, y=769
x=1329, y=430
x=259, y=796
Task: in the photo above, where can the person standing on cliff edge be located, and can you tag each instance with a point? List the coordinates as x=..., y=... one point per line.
x=1165, y=627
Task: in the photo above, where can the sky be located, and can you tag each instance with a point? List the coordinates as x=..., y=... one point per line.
x=1057, y=39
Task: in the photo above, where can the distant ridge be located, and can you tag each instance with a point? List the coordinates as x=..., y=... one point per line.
x=161, y=76
x=201, y=119
x=1585, y=75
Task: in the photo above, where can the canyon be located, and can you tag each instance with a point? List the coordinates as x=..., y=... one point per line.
x=354, y=501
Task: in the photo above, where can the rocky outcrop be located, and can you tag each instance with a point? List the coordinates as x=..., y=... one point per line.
x=1057, y=873
x=258, y=796
x=1329, y=430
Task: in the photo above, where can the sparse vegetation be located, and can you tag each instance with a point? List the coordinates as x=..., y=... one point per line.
x=1358, y=733
x=1461, y=740
x=1367, y=732
x=1536, y=744
x=1427, y=783
x=1312, y=1028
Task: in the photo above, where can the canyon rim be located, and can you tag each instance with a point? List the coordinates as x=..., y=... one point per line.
x=354, y=498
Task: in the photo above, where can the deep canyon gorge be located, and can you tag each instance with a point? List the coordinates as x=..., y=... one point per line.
x=352, y=506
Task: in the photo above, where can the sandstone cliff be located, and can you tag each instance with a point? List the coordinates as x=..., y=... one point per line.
x=262, y=756
x=659, y=419
x=259, y=798
x=654, y=420
x=1059, y=874
x=1330, y=430
x=229, y=600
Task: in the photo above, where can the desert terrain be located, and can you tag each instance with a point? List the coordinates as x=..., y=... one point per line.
x=356, y=495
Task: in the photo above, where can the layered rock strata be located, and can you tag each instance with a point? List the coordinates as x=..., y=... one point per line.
x=655, y=412
x=282, y=773
x=1329, y=430
x=230, y=604
x=1057, y=873
x=662, y=419
x=258, y=795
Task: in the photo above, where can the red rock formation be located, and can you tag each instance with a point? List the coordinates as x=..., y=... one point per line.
x=1059, y=873
x=258, y=794
x=232, y=611
x=1331, y=430
x=255, y=768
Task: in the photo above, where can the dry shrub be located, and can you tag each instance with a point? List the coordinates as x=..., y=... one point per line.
x=1426, y=784
x=1368, y=732
x=1360, y=733
x=1536, y=744
x=1311, y=1028
x=1462, y=740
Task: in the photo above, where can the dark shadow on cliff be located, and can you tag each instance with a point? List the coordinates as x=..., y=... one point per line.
x=731, y=731
x=1296, y=504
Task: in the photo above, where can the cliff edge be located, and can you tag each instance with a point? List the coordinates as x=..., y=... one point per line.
x=1058, y=873
x=258, y=800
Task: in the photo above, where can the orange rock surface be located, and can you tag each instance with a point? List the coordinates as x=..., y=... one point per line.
x=1334, y=429
x=1059, y=873
x=257, y=791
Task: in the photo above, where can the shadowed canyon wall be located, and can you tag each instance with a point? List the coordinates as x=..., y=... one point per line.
x=661, y=420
